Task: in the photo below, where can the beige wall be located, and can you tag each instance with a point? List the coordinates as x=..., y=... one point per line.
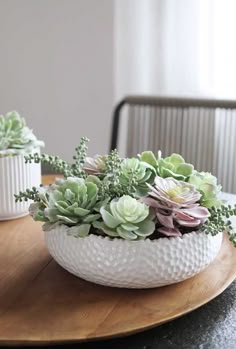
x=56, y=69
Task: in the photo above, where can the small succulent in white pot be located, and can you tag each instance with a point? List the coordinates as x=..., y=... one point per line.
x=137, y=223
x=16, y=141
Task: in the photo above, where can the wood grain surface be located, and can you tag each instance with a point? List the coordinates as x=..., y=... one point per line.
x=41, y=303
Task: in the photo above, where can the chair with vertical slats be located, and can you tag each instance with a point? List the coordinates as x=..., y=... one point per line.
x=202, y=130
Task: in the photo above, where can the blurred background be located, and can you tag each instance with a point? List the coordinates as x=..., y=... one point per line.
x=64, y=64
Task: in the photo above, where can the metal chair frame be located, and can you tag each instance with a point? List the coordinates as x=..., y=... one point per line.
x=163, y=102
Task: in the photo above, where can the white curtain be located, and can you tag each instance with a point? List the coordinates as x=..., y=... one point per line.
x=175, y=47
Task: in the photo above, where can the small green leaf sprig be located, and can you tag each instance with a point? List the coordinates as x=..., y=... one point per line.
x=112, y=185
x=133, y=182
x=232, y=236
x=81, y=153
x=61, y=166
x=32, y=194
x=219, y=222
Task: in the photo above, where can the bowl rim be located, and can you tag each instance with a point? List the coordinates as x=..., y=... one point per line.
x=170, y=239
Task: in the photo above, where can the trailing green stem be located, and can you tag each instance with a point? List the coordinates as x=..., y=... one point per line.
x=218, y=223
x=32, y=194
x=61, y=166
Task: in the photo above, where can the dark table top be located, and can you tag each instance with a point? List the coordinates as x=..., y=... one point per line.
x=213, y=326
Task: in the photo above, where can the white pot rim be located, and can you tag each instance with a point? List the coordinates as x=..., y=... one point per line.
x=110, y=239
x=13, y=152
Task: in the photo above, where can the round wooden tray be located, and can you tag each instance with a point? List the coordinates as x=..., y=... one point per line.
x=40, y=303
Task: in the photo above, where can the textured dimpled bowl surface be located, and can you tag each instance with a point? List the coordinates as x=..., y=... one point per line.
x=132, y=264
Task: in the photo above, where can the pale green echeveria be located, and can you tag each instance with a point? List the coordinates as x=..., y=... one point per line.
x=140, y=171
x=15, y=136
x=207, y=185
x=174, y=166
x=72, y=202
x=126, y=218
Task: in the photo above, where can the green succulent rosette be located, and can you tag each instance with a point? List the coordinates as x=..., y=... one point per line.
x=71, y=201
x=15, y=136
x=172, y=166
x=126, y=218
x=207, y=185
x=141, y=173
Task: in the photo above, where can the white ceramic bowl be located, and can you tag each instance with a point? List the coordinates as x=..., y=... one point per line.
x=132, y=264
x=16, y=176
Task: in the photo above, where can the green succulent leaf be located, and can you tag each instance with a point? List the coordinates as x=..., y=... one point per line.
x=126, y=234
x=108, y=231
x=81, y=230
x=93, y=179
x=149, y=158
x=59, y=207
x=79, y=211
x=91, y=218
x=57, y=196
x=165, y=173
x=207, y=185
x=145, y=228
x=68, y=220
x=51, y=214
x=101, y=203
x=69, y=195
x=175, y=159
x=108, y=219
x=129, y=227
x=92, y=190
x=185, y=169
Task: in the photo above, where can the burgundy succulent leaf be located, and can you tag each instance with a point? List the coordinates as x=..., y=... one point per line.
x=170, y=231
x=165, y=219
x=192, y=217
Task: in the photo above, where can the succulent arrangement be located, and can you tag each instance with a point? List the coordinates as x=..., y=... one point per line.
x=146, y=196
x=15, y=137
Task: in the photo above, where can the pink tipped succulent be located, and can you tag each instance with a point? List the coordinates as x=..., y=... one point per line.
x=173, y=192
x=176, y=205
x=95, y=165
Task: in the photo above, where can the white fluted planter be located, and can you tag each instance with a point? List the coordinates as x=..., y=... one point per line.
x=16, y=176
x=132, y=264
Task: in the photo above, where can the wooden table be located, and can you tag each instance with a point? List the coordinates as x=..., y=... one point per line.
x=42, y=303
